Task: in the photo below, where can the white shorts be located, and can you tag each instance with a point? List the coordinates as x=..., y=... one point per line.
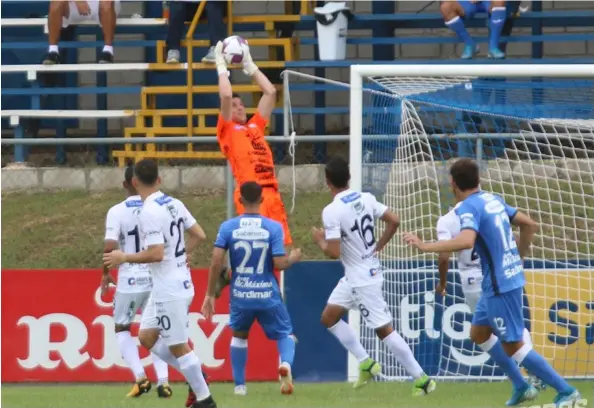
x=126, y=305
x=170, y=317
x=472, y=298
x=74, y=17
x=369, y=300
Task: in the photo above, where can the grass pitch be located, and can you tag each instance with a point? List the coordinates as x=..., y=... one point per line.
x=267, y=395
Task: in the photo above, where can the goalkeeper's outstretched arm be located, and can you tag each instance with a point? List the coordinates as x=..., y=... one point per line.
x=225, y=89
x=268, y=100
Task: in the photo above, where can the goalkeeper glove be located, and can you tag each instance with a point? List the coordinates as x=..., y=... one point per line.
x=249, y=67
x=220, y=59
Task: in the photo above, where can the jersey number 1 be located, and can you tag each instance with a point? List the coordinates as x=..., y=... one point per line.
x=365, y=230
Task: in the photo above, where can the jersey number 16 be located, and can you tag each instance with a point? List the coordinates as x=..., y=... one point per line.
x=364, y=229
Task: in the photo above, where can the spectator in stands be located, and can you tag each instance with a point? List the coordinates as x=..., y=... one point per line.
x=181, y=11
x=63, y=13
x=454, y=13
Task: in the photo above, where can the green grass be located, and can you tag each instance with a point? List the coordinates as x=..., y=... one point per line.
x=66, y=229
x=266, y=395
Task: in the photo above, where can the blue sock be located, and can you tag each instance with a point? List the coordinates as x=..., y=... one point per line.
x=539, y=367
x=286, y=349
x=498, y=17
x=495, y=349
x=457, y=25
x=238, y=359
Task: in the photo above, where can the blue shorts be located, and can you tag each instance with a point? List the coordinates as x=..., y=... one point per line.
x=504, y=313
x=470, y=8
x=275, y=321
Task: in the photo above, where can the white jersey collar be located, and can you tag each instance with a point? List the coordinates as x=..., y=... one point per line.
x=154, y=196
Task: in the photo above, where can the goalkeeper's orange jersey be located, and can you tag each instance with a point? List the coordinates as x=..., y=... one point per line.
x=248, y=152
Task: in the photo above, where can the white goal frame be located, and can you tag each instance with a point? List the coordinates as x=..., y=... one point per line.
x=358, y=72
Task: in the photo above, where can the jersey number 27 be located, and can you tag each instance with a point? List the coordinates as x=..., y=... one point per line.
x=248, y=248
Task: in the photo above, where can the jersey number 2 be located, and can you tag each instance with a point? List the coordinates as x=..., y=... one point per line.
x=365, y=230
x=247, y=254
x=177, y=227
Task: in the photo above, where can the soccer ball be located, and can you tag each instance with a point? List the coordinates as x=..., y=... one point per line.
x=233, y=49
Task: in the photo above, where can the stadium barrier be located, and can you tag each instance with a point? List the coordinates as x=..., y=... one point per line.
x=84, y=348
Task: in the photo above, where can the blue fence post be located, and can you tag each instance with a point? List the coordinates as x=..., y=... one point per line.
x=102, y=151
x=319, y=149
x=20, y=154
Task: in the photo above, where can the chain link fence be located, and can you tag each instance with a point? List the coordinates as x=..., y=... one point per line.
x=54, y=217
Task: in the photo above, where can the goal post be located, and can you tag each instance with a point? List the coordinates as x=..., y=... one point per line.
x=531, y=127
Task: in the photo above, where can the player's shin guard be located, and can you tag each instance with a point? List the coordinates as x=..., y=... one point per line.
x=129, y=351
x=190, y=368
x=286, y=349
x=537, y=365
x=348, y=338
x=494, y=348
x=238, y=359
x=398, y=347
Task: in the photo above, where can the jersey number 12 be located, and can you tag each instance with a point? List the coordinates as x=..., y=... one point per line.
x=364, y=229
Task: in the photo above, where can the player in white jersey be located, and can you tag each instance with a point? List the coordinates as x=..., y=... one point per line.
x=349, y=235
x=471, y=275
x=164, y=327
x=133, y=288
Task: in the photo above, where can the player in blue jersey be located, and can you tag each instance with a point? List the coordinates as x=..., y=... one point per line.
x=485, y=225
x=256, y=248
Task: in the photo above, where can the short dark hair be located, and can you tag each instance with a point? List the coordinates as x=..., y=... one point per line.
x=235, y=95
x=337, y=172
x=251, y=192
x=147, y=172
x=128, y=174
x=465, y=173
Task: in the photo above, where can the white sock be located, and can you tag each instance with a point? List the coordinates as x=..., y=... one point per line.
x=404, y=355
x=488, y=345
x=190, y=368
x=129, y=351
x=347, y=336
x=162, y=351
x=108, y=48
x=54, y=48
x=161, y=369
x=526, y=337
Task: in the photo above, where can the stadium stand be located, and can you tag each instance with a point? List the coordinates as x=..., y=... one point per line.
x=180, y=99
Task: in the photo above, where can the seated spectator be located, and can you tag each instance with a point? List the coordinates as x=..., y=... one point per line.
x=63, y=13
x=454, y=13
x=181, y=11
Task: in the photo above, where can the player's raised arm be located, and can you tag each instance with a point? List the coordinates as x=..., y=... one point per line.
x=268, y=101
x=225, y=89
x=528, y=228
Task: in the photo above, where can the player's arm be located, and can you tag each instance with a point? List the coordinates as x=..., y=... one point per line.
x=268, y=100
x=217, y=261
x=443, y=259
x=225, y=89
x=469, y=222
x=280, y=258
x=328, y=238
x=196, y=233
x=528, y=228
x=112, y=234
x=392, y=222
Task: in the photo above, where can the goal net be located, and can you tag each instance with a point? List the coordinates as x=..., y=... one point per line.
x=533, y=138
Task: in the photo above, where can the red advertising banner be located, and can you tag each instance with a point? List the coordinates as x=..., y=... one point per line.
x=55, y=328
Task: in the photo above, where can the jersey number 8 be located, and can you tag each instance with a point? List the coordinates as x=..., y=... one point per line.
x=248, y=248
x=365, y=230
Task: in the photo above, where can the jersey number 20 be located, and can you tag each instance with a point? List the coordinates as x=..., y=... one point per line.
x=365, y=230
x=248, y=250
x=177, y=227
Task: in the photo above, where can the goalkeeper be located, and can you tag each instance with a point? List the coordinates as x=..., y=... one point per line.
x=243, y=144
